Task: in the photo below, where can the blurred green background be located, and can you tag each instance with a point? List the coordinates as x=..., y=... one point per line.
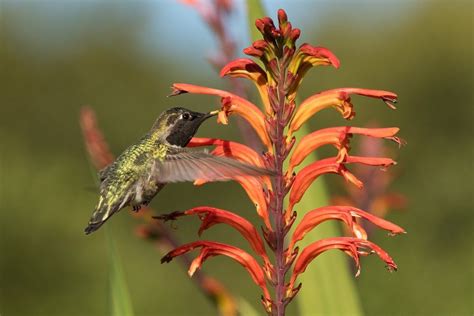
x=120, y=57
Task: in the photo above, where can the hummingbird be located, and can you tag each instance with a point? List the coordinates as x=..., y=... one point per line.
x=158, y=158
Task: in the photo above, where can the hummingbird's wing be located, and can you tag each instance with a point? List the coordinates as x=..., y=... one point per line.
x=183, y=164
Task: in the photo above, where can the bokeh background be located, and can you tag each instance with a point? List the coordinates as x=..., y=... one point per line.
x=120, y=57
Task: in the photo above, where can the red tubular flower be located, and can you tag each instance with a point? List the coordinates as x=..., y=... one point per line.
x=211, y=216
x=231, y=103
x=211, y=249
x=277, y=80
x=339, y=138
x=330, y=165
x=354, y=247
x=346, y=214
x=340, y=100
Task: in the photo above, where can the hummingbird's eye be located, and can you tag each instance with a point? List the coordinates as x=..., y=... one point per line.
x=186, y=116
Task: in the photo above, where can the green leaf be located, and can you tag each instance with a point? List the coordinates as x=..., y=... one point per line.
x=120, y=302
x=255, y=11
x=328, y=286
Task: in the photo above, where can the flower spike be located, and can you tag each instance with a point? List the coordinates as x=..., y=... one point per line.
x=96, y=146
x=277, y=69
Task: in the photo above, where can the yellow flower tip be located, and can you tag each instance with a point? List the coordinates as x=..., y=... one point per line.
x=222, y=118
x=194, y=266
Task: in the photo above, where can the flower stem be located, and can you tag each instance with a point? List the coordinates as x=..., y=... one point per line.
x=280, y=192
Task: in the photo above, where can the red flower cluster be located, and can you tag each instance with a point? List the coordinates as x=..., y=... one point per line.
x=277, y=82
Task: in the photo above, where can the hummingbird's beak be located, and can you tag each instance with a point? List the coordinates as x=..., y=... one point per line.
x=210, y=114
x=205, y=116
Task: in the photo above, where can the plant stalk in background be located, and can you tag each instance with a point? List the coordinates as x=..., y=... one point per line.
x=278, y=264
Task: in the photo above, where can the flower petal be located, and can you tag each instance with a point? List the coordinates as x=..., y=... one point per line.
x=97, y=148
x=210, y=249
x=255, y=191
x=347, y=214
x=258, y=49
x=308, y=174
x=231, y=103
x=352, y=246
x=339, y=138
x=211, y=216
x=247, y=68
x=337, y=98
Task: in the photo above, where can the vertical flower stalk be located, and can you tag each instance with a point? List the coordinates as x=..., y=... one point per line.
x=279, y=261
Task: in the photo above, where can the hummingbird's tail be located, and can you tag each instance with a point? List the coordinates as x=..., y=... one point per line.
x=103, y=211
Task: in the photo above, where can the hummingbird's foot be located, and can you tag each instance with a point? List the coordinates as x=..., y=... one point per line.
x=137, y=207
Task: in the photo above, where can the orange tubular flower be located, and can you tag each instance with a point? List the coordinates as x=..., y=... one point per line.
x=338, y=137
x=278, y=77
x=211, y=249
x=231, y=103
x=329, y=165
x=340, y=100
x=247, y=68
x=354, y=247
x=307, y=57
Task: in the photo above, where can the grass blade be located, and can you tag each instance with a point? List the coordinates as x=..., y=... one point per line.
x=255, y=11
x=119, y=298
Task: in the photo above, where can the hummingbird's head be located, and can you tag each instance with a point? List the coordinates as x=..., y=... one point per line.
x=178, y=125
